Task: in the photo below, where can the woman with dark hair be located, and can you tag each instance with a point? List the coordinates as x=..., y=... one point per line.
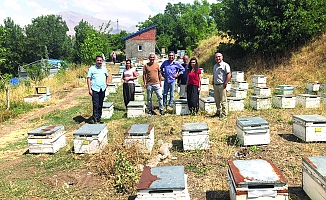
x=129, y=75
x=193, y=86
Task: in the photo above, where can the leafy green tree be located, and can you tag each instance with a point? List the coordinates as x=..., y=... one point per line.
x=3, y=36
x=89, y=43
x=14, y=45
x=269, y=27
x=49, y=31
x=182, y=26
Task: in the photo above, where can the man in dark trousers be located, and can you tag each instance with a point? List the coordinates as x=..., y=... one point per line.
x=182, y=79
x=97, y=81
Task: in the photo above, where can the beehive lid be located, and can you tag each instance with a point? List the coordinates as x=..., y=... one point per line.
x=308, y=95
x=180, y=101
x=251, y=122
x=90, y=129
x=208, y=99
x=255, y=97
x=139, y=129
x=136, y=104
x=310, y=118
x=46, y=130
x=235, y=98
x=247, y=173
x=107, y=104
x=162, y=178
x=318, y=164
x=238, y=89
x=192, y=127
x=284, y=87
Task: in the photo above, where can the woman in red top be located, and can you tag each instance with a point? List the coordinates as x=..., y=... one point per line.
x=193, y=86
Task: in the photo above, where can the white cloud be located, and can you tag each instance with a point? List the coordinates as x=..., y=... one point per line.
x=12, y=4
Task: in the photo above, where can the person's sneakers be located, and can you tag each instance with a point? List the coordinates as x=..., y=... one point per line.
x=217, y=114
x=162, y=112
x=150, y=113
x=100, y=122
x=222, y=117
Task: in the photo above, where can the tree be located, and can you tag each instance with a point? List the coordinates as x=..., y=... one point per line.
x=48, y=31
x=89, y=43
x=269, y=27
x=14, y=45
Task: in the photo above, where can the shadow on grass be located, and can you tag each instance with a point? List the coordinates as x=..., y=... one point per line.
x=177, y=145
x=80, y=119
x=232, y=140
x=132, y=197
x=291, y=137
x=220, y=194
x=297, y=193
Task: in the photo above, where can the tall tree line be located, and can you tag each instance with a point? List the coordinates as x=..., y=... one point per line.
x=46, y=37
x=263, y=27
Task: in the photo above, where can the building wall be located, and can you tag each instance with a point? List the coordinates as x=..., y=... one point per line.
x=148, y=46
x=146, y=39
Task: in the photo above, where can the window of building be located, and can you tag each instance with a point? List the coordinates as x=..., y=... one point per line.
x=140, y=47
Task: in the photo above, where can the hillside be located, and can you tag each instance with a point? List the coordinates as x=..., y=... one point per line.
x=308, y=64
x=73, y=18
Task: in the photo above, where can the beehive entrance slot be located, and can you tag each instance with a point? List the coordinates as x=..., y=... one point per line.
x=160, y=191
x=260, y=186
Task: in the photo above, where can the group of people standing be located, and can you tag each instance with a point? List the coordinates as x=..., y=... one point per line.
x=187, y=74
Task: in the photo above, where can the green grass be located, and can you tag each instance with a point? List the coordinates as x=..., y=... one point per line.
x=15, y=145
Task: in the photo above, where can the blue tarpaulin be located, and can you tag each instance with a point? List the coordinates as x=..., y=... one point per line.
x=14, y=81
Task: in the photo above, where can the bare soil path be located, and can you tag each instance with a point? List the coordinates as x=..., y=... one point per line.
x=17, y=128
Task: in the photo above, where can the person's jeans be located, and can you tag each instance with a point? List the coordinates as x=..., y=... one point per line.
x=168, y=87
x=158, y=91
x=97, y=99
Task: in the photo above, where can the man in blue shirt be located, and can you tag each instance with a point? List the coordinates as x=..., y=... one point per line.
x=97, y=81
x=170, y=70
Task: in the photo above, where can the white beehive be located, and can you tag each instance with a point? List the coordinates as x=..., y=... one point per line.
x=260, y=102
x=259, y=79
x=180, y=107
x=235, y=103
x=166, y=182
x=309, y=128
x=138, y=88
x=204, y=81
x=314, y=176
x=262, y=91
x=308, y=100
x=107, y=110
x=35, y=98
x=284, y=101
x=228, y=86
x=237, y=76
x=241, y=84
x=204, y=87
x=112, y=88
x=139, y=96
x=253, y=131
x=239, y=93
x=256, y=179
x=44, y=91
x=208, y=104
x=313, y=87
x=116, y=78
x=142, y=134
x=135, y=109
x=90, y=138
x=284, y=89
x=139, y=70
x=195, y=136
x=46, y=139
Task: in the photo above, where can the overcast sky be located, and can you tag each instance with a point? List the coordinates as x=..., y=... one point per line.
x=128, y=12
